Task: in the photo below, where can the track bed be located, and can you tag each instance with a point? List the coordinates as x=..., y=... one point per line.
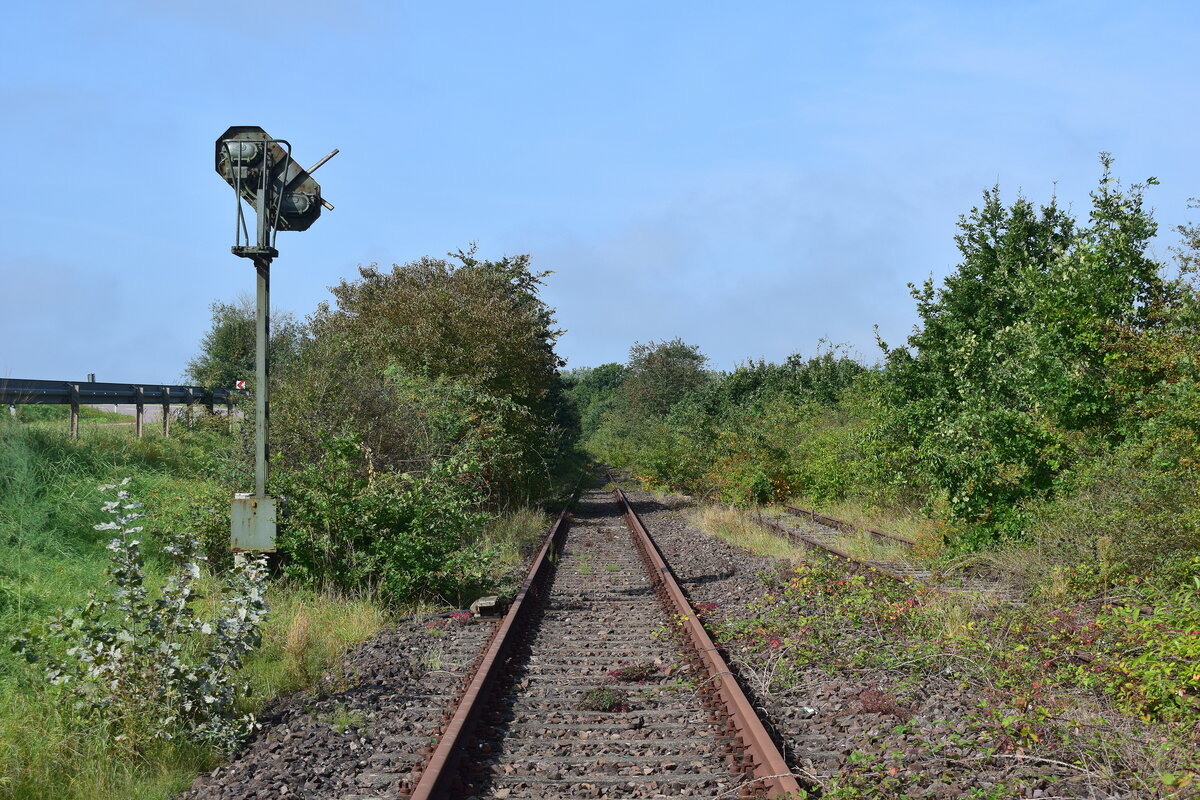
x=598, y=701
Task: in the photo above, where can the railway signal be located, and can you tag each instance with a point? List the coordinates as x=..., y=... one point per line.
x=284, y=197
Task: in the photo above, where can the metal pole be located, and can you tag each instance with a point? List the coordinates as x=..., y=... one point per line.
x=261, y=376
x=262, y=329
x=74, y=410
x=166, y=412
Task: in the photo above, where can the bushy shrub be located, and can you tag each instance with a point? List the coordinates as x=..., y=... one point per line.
x=403, y=534
x=418, y=359
x=1137, y=503
x=1013, y=356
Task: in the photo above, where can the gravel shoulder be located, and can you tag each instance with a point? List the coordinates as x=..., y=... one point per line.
x=357, y=735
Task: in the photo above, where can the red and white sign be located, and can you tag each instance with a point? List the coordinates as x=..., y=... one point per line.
x=240, y=385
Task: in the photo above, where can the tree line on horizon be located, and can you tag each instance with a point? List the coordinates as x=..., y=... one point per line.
x=1048, y=393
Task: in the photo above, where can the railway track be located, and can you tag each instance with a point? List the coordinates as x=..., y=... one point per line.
x=600, y=682
x=887, y=556
x=822, y=535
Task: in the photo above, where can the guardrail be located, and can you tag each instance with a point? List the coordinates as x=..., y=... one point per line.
x=15, y=391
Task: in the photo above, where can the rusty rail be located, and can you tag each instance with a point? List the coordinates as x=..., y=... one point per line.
x=858, y=563
x=842, y=525
x=756, y=754
x=439, y=776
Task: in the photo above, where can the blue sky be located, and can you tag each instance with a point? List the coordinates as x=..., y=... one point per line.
x=751, y=177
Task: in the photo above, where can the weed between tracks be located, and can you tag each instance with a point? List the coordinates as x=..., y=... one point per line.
x=636, y=673
x=605, y=698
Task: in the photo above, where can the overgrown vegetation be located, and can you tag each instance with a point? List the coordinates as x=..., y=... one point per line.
x=51, y=557
x=147, y=667
x=424, y=403
x=1044, y=416
x=1107, y=684
x=1048, y=397
x=416, y=427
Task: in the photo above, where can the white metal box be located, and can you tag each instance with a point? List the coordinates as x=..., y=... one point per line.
x=253, y=521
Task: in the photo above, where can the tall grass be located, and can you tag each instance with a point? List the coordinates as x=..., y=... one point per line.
x=737, y=526
x=306, y=633
x=928, y=533
x=516, y=535
x=50, y=558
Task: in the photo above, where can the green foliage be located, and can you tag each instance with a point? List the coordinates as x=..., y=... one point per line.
x=661, y=374
x=426, y=401
x=227, y=350
x=51, y=557
x=822, y=379
x=1052, y=678
x=424, y=361
x=1008, y=378
x=477, y=322
x=763, y=432
x=1051, y=386
x=150, y=667
x=404, y=535
x=47, y=413
x=592, y=393
x=1155, y=673
x=1130, y=506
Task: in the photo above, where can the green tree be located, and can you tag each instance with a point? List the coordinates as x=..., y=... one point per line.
x=467, y=323
x=477, y=321
x=660, y=375
x=227, y=350
x=593, y=392
x=1008, y=377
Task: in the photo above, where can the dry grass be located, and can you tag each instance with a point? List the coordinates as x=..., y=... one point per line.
x=738, y=527
x=872, y=548
x=860, y=545
x=305, y=635
x=928, y=534
x=298, y=643
x=950, y=614
x=517, y=535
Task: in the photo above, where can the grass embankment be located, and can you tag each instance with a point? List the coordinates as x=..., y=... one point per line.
x=50, y=558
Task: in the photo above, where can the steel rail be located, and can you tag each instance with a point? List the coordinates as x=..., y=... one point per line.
x=842, y=525
x=756, y=754
x=440, y=776
x=796, y=536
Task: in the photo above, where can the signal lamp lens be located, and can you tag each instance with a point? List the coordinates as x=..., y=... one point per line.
x=241, y=151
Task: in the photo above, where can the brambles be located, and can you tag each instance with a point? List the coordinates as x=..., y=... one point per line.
x=438, y=626
x=1068, y=681
x=876, y=701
